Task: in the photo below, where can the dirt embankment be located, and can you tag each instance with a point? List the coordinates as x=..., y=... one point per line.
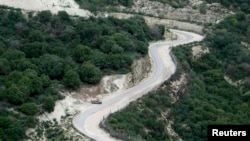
x=70, y=6
x=140, y=70
x=210, y=13
x=74, y=102
x=176, y=88
x=113, y=83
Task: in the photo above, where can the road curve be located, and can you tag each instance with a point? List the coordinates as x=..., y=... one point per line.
x=87, y=122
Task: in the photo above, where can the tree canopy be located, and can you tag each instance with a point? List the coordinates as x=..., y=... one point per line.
x=43, y=53
x=207, y=98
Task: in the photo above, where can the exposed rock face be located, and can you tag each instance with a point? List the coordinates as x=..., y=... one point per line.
x=176, y=87
x=70, y=6
x=214, y=12
x=140, y=70
x=113, y=83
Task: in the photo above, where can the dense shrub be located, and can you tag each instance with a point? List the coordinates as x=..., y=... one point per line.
x=208, y=98
x=29, y=108
x=44, y=53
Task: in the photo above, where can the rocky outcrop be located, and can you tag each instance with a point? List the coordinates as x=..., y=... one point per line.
x=140, y=70
x=54, y=6
x=214, y=12
x=113, y=83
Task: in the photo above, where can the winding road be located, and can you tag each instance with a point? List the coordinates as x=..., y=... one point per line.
x=87, y=122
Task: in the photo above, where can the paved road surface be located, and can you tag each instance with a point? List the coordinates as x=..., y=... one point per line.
x=87, y=121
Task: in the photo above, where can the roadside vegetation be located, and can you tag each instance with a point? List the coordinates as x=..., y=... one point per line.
x=42, y=54
x=208, y=98
x=101, y=5
x=174, y=3
x=238, y=5
x=141, y=120
x=108, y=5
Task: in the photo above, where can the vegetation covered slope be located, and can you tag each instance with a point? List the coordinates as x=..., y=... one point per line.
x=236, y=4
x=41, y=54
x=242, y=5
x=174, y=3
x=100, y=5
x=141, y=120
x=208, y=97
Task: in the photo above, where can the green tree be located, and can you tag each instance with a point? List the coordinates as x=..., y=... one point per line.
x=4, y=66
x=34, y=49
x=59, y=51
x=29, y=108
x=203, y=8
x=51, y=65
x=90, y=73
x=36, y=35
x=71, y=79
x=14, y=17
x=33, y=82
x=11, y=129
x=127, y=3
x=141, y=47
x=119, y=62
x=89, y=31
x=44, y=16
x=46, y=81
x=64, y=16
x=2, y=49
x=15, y=95
x=248, y=31
x=24, y=64
x=82, y=53
x=48, y=103
x=123, y=41
x=116, y=49
x=12, y=78
x=13, y=55
x=107, y=46
x=99, y=59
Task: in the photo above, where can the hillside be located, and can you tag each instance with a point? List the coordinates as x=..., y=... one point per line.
x=45, y=54
x=54, y=6
x=196, y=11
x=210, y=89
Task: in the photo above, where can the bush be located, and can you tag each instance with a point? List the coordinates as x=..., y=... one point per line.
x=48, y=103
x=39, y=54
x=90, y=73
x=203, y=8
x=71, y=79
x=29, y=108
